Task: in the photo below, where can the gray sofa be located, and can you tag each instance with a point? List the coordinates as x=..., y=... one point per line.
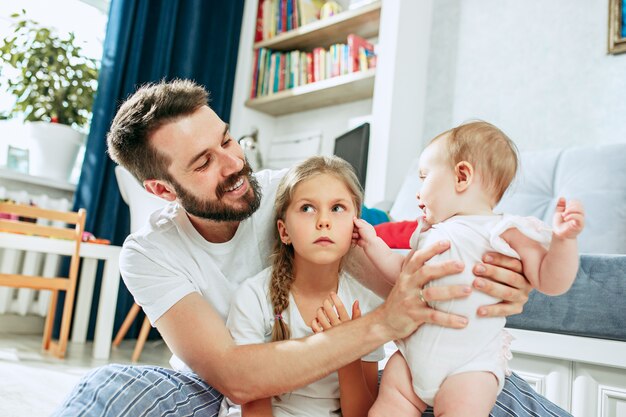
x=596, y=175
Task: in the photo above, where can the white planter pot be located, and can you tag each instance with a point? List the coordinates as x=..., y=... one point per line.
x=53, y=148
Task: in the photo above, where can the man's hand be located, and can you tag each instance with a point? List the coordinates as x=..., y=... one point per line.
x=405, y=308
x=504, y=281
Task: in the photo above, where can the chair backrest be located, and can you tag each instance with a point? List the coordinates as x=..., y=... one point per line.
x=34, y=221
x=140, y=202
x=49, y=225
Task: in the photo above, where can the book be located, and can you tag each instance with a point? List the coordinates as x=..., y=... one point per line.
x=309, y=10
x=281, y=72
x=258, y=34
x=355, y=43
x=255, y=73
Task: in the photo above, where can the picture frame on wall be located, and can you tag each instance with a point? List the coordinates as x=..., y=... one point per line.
x=617, y=26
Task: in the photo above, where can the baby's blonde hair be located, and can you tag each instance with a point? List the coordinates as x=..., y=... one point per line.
x=282, y=255
x=490, y=151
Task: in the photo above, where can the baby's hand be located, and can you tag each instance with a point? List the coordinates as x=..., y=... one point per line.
x=569, y=219
x=423, y=224
x=363, y=233
x=333, y=313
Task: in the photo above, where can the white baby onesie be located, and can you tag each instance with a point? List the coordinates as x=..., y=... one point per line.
x=434, y=352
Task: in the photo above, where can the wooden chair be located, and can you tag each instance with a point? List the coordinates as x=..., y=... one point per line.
x=143, y=333
x=54, y=284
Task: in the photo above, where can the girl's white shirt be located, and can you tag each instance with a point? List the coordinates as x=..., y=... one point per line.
x=251, y=320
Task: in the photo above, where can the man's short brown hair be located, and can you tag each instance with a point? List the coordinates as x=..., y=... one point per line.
x=490, y=151
x=149, y=108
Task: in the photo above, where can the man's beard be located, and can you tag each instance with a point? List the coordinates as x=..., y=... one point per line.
x=217, y=210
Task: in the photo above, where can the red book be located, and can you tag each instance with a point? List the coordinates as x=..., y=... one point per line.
x=258, y=34
x=317, y=64
x=281, y=73
x=295, y=16
x=354, y=43
x=255, y=74
x=309, y=67
x=283, y=15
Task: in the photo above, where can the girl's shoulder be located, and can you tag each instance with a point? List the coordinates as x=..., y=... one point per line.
x=257, y=284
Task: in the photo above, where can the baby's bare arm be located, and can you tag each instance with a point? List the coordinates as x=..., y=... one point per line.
x=386, y=261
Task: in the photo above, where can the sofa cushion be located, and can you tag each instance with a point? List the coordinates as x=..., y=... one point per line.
x=593, y=307
x=595, y=175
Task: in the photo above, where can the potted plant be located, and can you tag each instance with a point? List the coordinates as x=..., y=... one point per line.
x=54, y=84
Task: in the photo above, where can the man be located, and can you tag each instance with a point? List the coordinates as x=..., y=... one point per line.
x=184, y=265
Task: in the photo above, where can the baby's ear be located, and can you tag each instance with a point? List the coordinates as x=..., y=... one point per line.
x=464, y=174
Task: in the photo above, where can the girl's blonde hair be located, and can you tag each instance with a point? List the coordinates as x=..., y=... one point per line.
x=282, y=255
x=488, y=149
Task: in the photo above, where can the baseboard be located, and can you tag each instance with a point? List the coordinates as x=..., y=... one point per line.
x=16, y=324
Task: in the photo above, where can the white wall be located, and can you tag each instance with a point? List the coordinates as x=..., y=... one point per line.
x=538, y=69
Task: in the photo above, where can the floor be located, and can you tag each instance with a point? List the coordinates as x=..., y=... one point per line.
x=33, y=383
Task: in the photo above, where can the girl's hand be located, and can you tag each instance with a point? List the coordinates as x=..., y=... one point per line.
x=569, y=219
x=333, y=313
x=505, y=280
x=363, y=233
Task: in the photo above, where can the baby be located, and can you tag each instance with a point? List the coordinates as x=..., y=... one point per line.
x=465, y=171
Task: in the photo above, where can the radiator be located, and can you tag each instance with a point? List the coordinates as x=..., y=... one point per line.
x=23, y=301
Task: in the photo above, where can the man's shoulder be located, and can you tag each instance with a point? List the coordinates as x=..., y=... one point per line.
x=269, y=176
x=160, y=229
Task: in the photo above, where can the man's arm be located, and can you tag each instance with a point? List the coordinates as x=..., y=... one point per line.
x=197, y=334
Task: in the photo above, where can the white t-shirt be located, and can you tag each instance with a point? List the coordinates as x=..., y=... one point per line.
x=168, y=259
x=251, y=319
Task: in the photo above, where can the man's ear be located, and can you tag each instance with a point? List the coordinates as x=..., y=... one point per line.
x=160, y=189
x=464, y=175
x=282, y=232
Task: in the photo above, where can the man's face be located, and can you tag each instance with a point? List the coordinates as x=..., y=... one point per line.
x=208, y=172
x=218, y=210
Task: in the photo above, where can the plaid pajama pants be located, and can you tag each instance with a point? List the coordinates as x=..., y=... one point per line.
x=126, y=390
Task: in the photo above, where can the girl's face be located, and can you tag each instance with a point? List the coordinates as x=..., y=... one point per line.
x=437, y=196
x=318, y=221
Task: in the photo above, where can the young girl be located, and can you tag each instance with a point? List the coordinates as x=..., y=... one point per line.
x=316, y=203
x=465, y=171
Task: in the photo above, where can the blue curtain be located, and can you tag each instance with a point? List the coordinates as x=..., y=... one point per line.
x=151, y=40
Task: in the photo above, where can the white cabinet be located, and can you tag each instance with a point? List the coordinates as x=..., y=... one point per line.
x=598, y=391
x=584, y=376
x=551, y=378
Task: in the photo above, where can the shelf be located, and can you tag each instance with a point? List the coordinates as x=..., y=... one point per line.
x=336, y=90
x=363, y=21
x=9, y=174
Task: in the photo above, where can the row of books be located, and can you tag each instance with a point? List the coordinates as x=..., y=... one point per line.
x=276, y=71
x=277, y=16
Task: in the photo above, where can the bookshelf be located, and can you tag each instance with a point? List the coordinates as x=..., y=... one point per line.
x=363, y=21
x=336, y=90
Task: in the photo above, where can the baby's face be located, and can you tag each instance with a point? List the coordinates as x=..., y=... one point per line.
x=437, y=196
